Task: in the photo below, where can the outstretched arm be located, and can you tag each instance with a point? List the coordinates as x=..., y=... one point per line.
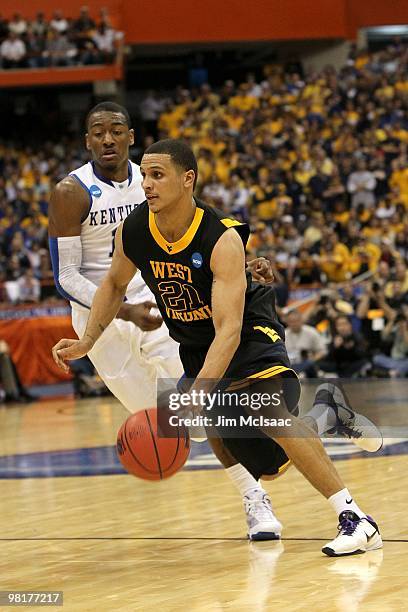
x=107, y=301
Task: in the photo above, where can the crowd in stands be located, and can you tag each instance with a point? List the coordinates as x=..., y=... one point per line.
x=60, y=41
x=317, y=164
x=26, y=179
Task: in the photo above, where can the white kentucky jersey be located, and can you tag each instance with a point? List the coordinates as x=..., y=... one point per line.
x=109, y=204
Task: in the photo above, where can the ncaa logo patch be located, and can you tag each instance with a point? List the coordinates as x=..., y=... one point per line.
x=197, y=260
x=95, y=191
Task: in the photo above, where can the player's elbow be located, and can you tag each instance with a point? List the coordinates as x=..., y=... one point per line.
x=113, y=284
x=65, y=282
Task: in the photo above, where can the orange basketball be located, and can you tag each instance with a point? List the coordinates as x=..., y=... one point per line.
x=146, y=455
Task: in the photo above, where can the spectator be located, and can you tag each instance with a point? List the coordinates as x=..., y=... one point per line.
x=400, y=275
x=39, y=26
x=150, y=108
x=59, y=50
x=84, y=25
x=382, y=274
x=372, y=311
x=83, y=31
x=361, y=185
x=304, y=344
x=346, y=355
x=305, y=271
x=334, y=259
x=104, y=39
x=35, y=47
x=17, y=25
x=58, y=23
x=13, y=51
x=396, y=332
x=314, y=231
x=29, y=289
x=398, y=297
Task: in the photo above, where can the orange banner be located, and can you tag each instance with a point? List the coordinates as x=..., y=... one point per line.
x=179, y=21
x=30, y=342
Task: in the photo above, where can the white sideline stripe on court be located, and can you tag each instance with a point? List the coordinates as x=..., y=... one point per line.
x=334, y=448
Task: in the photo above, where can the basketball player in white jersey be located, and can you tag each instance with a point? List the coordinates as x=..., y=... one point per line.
x=85, y=210
x=135, y=350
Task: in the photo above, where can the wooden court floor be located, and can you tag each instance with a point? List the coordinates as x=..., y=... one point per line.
x=112, y=542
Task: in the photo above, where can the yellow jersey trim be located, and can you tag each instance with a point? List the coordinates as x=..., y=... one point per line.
x=284, y=466
x=230, y=222
x=171, y=248
x=269, y=373
x=274, y=371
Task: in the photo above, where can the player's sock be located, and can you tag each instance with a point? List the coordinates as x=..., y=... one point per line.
x=261, y=521
x=343, y=500
x=242, y=479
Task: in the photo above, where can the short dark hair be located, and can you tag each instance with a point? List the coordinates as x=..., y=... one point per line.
x=111, y=107
x=180, y=154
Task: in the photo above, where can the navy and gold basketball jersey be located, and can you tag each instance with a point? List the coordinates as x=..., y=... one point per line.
x=180, y=277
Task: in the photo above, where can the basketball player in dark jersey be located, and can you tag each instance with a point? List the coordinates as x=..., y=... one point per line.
x=193, y=260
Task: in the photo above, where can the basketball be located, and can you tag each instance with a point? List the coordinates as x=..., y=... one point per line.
x=146, y=455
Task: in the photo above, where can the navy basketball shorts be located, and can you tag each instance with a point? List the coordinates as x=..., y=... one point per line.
x=266, y=366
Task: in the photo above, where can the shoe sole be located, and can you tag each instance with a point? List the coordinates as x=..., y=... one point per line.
x=330, y=552
x=369, y=450
x=262, y=536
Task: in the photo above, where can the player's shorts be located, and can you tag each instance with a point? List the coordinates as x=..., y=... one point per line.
x=270, y=364
x=130, y=361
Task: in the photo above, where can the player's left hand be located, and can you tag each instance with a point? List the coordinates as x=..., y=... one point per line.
x=261, y=270
x=141, y=316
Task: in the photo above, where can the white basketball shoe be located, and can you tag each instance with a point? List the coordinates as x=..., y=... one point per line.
x=355, y=536
x=261, y=521
x=350, y=424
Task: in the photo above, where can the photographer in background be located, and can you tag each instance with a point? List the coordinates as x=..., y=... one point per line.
x=373, y=311
x=347, y=354
x=322, y=316
x=395, y=332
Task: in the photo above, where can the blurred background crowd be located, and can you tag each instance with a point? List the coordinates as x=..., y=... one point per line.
x=315, y=162
x=59, y=41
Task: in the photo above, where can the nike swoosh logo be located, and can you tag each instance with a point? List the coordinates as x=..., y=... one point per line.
x=352, y=414
x=348, y=501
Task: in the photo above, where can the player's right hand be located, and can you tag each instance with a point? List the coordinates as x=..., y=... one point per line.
x=66, y=350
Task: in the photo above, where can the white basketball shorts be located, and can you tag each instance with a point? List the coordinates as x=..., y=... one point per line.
x=130, y=361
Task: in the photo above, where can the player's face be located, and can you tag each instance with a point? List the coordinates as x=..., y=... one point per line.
x=109, y=139
x=164, y=183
